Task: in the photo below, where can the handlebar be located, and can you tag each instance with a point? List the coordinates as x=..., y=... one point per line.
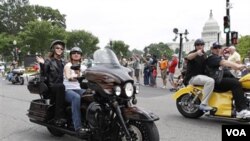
x=80, y=78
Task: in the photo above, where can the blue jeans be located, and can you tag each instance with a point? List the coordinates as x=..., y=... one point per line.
x=73, y=96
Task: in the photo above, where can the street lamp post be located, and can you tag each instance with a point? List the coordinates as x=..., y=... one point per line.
x=181, y=40
x=228, y=6
x=14, y=50
x=218, y=37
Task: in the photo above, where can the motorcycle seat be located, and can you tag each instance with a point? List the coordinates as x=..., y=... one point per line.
x=219, y=91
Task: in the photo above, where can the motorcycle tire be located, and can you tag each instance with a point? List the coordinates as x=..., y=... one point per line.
x=187, y=109
x=140, y=131
x=55, y=132
x=21, y=80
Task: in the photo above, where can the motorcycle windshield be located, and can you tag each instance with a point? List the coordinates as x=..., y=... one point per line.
x=105, y=60
x=106, y=57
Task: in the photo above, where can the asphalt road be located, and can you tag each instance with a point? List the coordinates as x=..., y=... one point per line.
x=15, y=125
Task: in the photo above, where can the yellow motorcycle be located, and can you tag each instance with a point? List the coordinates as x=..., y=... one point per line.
x=189, y=98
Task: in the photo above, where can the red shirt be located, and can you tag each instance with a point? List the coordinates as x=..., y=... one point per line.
x=172, y=66
x=36, y=67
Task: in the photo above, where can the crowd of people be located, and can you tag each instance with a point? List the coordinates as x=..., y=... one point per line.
x=149, y=68
x=197, y=69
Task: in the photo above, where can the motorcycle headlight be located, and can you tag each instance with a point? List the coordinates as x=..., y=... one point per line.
x=129, y=89
x=117, y=90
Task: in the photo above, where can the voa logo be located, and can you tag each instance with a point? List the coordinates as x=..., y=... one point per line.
x=236, y=132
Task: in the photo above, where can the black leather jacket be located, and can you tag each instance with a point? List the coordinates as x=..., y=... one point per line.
x=51, y=72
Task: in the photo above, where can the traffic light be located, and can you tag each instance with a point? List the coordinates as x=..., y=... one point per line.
x=226, y=24
x=234, y=37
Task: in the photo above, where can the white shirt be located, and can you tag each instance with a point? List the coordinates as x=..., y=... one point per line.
x=72, y=84
x=235, y=57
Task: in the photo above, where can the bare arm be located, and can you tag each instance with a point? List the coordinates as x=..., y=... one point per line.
x=232, y=65
x=191, y=56
x=67, y=72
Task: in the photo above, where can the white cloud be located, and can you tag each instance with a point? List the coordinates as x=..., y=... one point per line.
x=141, y=22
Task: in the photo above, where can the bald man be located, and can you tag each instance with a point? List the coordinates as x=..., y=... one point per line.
x=234, y=55
x=235, y=58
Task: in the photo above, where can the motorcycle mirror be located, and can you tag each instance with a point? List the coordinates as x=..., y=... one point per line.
x=134, y=101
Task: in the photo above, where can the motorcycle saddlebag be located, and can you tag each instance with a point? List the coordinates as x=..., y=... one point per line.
x=40, y=110
x=36, y=86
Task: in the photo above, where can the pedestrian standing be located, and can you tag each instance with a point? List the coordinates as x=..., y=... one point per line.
x=153, y=71
x=163, y=64
x=136, y=66
x=171, y=70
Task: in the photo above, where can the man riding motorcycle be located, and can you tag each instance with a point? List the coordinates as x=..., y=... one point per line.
x=214, y=62
x=195, y=73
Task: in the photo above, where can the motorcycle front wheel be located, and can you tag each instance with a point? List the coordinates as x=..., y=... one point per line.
x=140, y=131
x=187, y=108
x=21, y=79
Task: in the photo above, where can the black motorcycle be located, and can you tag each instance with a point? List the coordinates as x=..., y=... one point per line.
x=108, y=106
x=16, y=76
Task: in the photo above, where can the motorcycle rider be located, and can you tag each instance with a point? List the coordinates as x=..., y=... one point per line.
x=73, y=90
x=195, y=73
x=228, y=82
x=52, y=71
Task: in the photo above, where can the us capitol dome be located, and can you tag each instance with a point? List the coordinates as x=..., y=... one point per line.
x=211, y=32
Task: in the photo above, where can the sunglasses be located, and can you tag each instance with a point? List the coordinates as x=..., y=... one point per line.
x=216, y=47
x=199, y=44
x=59, y=48
x=75, y=52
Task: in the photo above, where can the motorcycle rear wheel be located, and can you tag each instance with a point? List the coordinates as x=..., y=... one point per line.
x=186, y=108
x=55, y=132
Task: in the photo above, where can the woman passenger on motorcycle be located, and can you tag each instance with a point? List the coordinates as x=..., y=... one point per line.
x=52, y=71
x=228, y=82
x=73, y=90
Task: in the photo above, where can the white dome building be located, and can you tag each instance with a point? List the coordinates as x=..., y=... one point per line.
x=211, y=32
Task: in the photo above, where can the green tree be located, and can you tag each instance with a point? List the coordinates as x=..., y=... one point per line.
x=243, y=47
x=177, y=52
x=86, y=41
x=158, y=49
x=135, y=51
x=120, y=48
x=50, y=15
x=38, y=35
x=10, y=14
x=15, y=14
x=6, y=46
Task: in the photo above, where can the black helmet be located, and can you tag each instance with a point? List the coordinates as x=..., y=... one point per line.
x=216, y=45
x=199, y=42
x=57, y=42
x=75, y=49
